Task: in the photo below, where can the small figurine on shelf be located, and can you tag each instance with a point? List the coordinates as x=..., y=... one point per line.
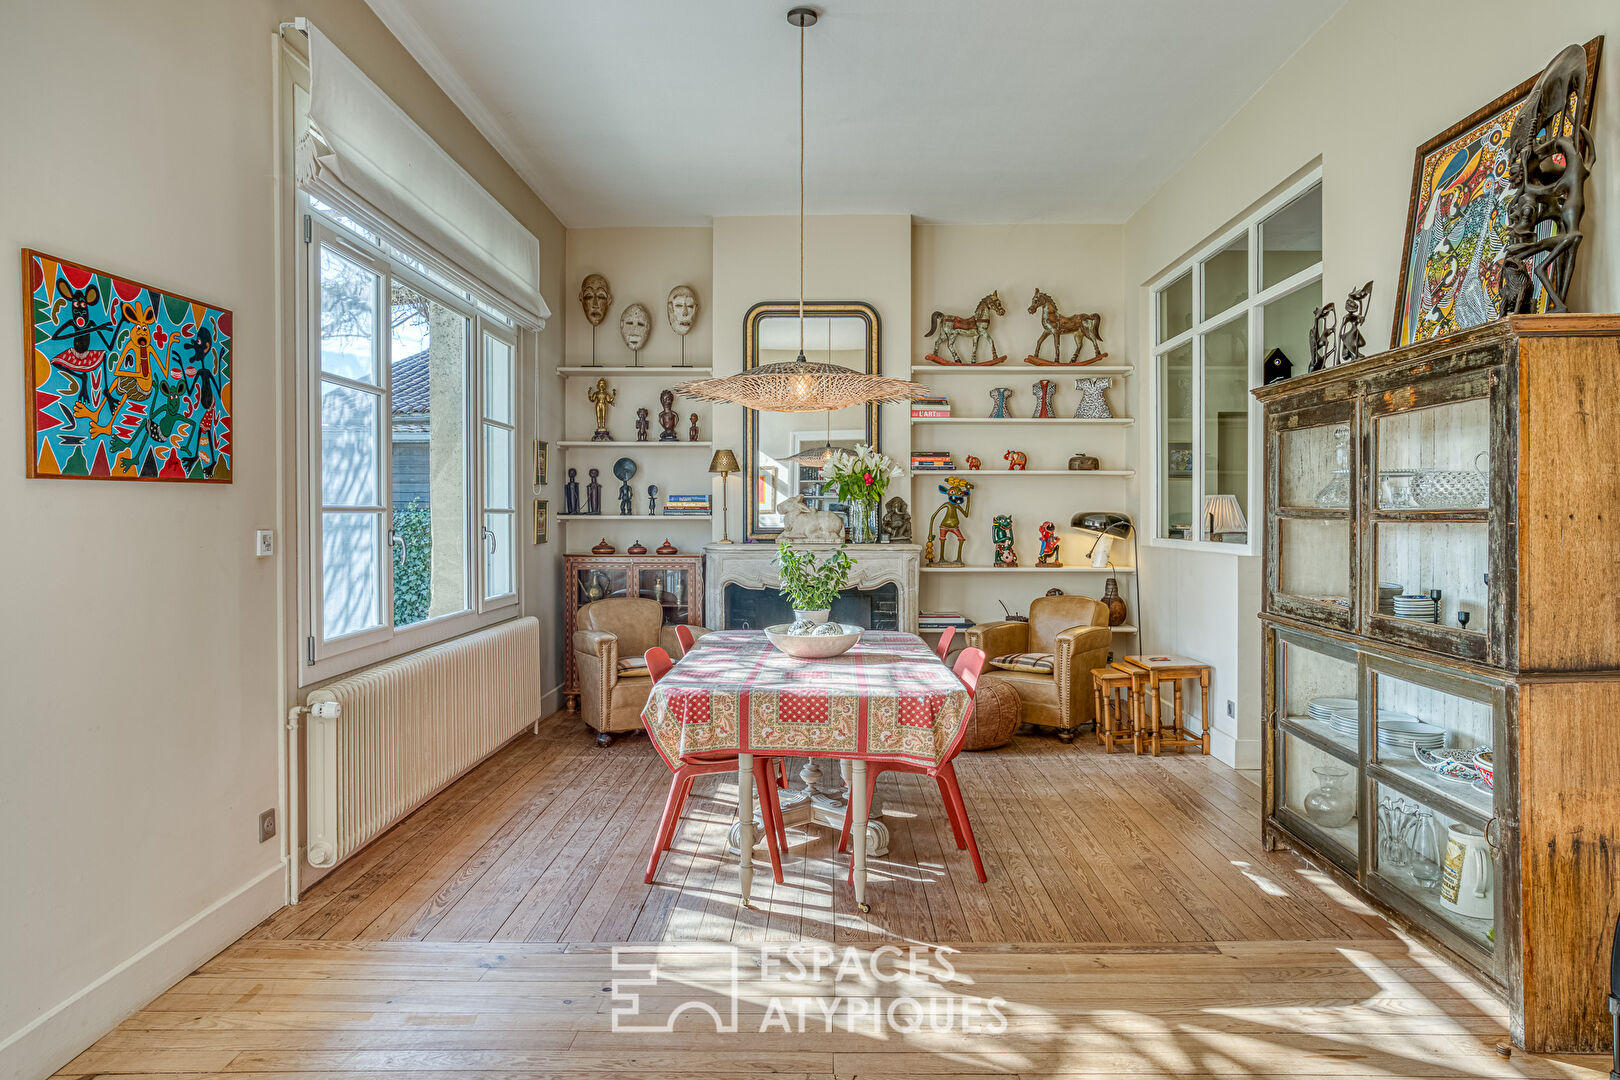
x=692, y=428
x=998, y=402
x=1277, y=367
x=601, y=397
x=1322, y=330
x=1084, y=462
x=946, y=328
x=667, y=548
x=1351, y=341
x=667, y=416
x=603, y=548
x=593, y=494
x=571, y=493
x=1015, y=459
x=1085, y=326
x=950, y=513
x=637, y=548
x=896, y=522
x=973, y=463
x=1001, y=531
x=624, y=469
x=1049, y=546
x=652, y=498
x=1093, y=405
x=642, y=425
x=1045, y=392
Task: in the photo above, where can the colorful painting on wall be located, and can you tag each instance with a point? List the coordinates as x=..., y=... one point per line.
x=1456, y=221
x=124, y=381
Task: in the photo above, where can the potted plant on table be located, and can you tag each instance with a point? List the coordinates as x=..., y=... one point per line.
x=811, y=585
x=859, y=477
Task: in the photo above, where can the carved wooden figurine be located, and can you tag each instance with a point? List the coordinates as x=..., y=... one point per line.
x=1001, y=531
x=1085, y=326
x=946, y=328
x=667, y=416
x=1322, y=330
x=642, y=425
x=1049, y=546
x=571, y=493
x=601, y=397
x=593, y=493
x=950, y=513
x=973, y=462
x=1015, y=459
x=692, y=428
x=1351, y=341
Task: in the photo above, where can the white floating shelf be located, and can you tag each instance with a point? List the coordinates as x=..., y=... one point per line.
x=1010, y=421
x=1029, y=569
x=577, y=443
x=619, y=372
x=633, y=517
x=975, y=474
x=1080, y=370
x=1124, y=628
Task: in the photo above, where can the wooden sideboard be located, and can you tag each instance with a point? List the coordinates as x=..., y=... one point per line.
x=675, y=581
x=1486, y=465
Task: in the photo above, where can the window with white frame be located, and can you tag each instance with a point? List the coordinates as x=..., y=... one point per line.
x=411, y=462
x=1216, y=317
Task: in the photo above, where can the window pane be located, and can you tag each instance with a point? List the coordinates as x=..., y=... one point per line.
x=1176, y=442
x=350, y=585
x=1285, y=324
x=1226, y=277
x=1175, y=307
x=1291, y=239
x=348, y=446
x=498, y=554
x=429, y=440
x=348, y=318
x=497, y=379
x=497, y=468
x=1226, y=431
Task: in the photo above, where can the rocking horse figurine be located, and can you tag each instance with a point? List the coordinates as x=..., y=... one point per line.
x=1086, y=326
x=946, y=328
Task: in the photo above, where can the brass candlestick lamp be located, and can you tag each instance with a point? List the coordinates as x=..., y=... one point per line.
x=724, y=462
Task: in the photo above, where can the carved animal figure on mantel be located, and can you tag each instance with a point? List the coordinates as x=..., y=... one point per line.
x=1015, y=459
x=945, y=328
x=799, y=522
x=897, y=520
x=1085, y=326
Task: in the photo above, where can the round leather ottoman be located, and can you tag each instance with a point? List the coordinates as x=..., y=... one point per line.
x=996, y=710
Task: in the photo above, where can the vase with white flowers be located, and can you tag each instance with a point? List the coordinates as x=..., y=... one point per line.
x=859, y=478
x=812, y=585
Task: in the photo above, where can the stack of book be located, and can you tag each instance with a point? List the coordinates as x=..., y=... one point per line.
x=942, y=620
x=926, y=460
x=931, y=407
x=686, y=505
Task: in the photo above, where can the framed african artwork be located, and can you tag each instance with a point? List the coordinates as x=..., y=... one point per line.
x=1457, y=222
x=123, y=381
x=542, y=520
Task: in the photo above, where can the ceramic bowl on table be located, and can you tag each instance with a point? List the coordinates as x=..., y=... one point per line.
x=813, y=646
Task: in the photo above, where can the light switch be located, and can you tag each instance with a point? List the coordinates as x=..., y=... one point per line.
x=265, y=543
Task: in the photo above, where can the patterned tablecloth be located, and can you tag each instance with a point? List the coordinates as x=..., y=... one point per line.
x=887, y=699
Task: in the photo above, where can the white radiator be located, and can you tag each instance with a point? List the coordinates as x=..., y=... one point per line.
x=406, y=728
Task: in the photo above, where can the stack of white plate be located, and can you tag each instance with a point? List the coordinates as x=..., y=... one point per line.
x=1387, y=592
x=1414, y=607
x=1400, y=733
x=1335, y=711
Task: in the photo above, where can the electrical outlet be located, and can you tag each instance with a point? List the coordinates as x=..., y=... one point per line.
x=267, y=825
x=264, y=543
x=1231, y=708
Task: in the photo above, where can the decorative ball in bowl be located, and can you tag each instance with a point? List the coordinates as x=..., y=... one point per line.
x=813, y=641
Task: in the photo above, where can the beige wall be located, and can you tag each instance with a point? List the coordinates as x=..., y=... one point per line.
x=1360, y=96
x=142, y=650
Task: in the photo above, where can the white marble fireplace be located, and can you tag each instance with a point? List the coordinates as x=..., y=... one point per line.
x=751, y=566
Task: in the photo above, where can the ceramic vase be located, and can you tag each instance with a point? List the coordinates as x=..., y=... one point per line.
x=814, y=616
x=1115, y=602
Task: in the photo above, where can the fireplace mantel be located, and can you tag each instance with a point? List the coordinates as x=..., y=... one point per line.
x=752, y=566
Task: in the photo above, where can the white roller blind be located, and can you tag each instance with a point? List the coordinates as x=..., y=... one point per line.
x=371, y=149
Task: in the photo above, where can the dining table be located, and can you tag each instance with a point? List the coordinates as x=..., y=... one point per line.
x=889, y=698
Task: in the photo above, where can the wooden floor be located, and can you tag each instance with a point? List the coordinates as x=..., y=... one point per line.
x=1132, y=926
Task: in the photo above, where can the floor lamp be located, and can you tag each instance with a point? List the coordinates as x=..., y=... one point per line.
x=724, y=462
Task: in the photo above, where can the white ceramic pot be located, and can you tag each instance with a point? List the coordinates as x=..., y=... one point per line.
x=1466, y=877
x=813, y=646
x=814, y=616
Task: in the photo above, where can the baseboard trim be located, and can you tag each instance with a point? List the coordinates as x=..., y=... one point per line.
x=61, y=1033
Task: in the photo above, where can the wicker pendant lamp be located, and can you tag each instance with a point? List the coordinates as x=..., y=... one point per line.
x=801, y=385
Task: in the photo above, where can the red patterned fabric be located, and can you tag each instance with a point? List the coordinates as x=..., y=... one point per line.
x=887, y=699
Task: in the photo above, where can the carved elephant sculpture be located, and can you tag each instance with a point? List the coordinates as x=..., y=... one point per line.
x=1015, y=459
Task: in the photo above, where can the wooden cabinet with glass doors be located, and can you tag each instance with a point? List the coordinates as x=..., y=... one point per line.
x=675, y=581
x=1442, y=649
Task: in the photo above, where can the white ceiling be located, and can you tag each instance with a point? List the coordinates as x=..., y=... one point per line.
x=651, y=112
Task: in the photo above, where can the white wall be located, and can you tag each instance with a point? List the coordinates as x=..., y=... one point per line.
x=1360, y=96
x=141, y=652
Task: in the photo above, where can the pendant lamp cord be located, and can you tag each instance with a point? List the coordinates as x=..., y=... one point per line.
x=801, y=190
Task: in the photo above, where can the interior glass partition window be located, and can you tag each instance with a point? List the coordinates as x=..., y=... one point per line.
x=1216, y=317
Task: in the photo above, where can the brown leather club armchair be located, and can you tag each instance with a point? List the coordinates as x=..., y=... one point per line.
x=1074, y=630
x=609, y=649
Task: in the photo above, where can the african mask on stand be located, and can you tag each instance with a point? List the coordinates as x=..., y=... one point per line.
x=596, y=298
x=635, y=327
x=682, y=308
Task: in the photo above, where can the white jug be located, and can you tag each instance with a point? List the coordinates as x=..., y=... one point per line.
x=1465, y=882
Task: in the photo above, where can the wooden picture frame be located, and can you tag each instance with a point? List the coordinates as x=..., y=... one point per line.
x=1462, y=174
x=542, y=462
x=542, y=524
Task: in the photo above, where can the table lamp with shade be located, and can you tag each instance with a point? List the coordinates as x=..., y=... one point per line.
x=724, y=462
x=1109, y=525
x=1224, y=516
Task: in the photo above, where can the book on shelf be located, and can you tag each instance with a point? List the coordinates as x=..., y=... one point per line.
x=932, y=460
x=942, y=620
x=930, y=407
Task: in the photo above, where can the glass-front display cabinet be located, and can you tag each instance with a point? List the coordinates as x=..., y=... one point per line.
x=674, y=581
x=1442, y=654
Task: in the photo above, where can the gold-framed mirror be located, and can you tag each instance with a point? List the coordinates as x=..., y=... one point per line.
x=841, y=332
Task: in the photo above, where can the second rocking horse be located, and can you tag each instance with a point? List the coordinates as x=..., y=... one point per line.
x=1085, y=326
x=946, y=328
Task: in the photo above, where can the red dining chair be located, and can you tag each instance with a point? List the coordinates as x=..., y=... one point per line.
x=969, y=663
x=695, y=765
x=944, y=646
x=684, y=635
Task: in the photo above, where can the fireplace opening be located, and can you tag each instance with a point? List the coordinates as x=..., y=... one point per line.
x=871, y=609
